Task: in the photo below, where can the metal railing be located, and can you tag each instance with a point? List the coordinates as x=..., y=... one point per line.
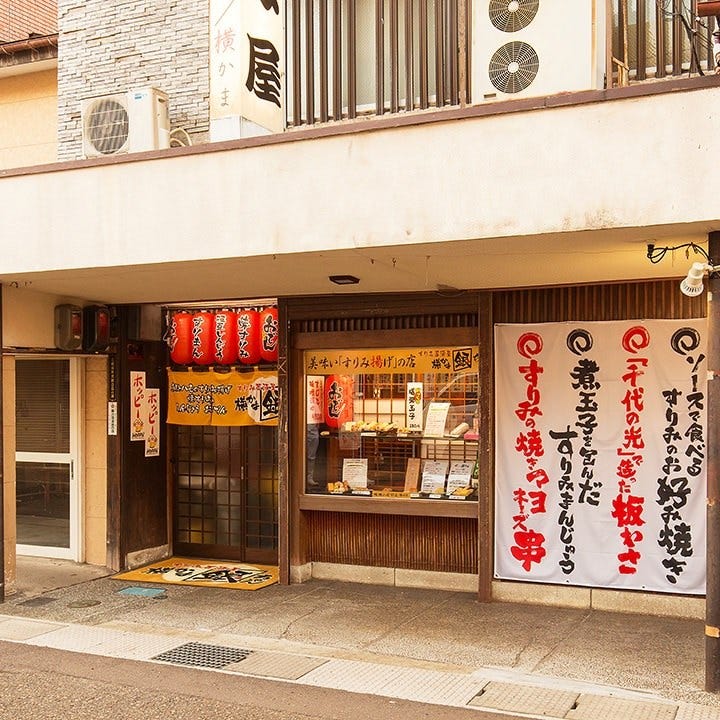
x=350, y=58
x=654, y=39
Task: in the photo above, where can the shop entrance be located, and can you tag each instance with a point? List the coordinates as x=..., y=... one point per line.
x=226, y=493
x=47, y=489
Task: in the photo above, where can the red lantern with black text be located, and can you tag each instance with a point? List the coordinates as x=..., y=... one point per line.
x=269, y=332
x=180, y=338
x=225, y=337
x=203, y=338
x=338, y=397
x=248, y=336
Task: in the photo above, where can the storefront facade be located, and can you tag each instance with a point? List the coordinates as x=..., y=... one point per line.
x=452, y=209
x=374, y=498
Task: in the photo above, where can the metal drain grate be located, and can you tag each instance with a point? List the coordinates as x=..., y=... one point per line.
x=37, y=601
x=201, y=655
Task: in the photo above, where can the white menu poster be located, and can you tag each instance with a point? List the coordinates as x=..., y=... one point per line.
x=433, y=476
x=436, y=419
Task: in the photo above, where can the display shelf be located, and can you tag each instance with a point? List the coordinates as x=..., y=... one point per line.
x=387, y=506
x=389, y=462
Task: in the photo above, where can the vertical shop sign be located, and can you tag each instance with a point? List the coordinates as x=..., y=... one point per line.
x=225, y=60
x=247, y=61
x=315, y=409
x=152, y=436
x=112, y=418
x=414, y=407
x=138, y=406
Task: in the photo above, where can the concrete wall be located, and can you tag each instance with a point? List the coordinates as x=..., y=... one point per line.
x=113, y=47
x=28, y=119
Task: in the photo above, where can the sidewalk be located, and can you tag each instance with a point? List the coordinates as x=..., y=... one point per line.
x=430, y=646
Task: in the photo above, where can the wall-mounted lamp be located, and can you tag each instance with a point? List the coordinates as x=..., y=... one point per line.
x=692, y=285
x=344, y=279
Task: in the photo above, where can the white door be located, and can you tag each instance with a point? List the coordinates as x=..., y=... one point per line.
x=47, y=422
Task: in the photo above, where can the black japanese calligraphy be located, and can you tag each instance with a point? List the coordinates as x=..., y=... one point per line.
x=264, y=70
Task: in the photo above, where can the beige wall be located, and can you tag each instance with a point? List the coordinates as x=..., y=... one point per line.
x=8, y=427
x=28, y=119
x=28, y=317
x=95, y=465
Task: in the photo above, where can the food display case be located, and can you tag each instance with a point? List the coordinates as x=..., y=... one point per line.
x=392, y=423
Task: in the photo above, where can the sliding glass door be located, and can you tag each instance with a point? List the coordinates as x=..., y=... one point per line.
x=47, y=447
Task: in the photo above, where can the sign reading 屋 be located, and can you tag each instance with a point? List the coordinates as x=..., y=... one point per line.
x=247, y=61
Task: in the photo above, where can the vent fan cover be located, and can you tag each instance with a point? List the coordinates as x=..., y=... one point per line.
x=137, y=120
x=513, y=15
x=513, y=67
x=107, y=126
x=516, y=53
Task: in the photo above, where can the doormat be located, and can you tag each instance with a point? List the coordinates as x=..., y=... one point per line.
x=204, y=573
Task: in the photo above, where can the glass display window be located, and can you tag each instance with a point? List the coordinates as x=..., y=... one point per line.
x=392, y=422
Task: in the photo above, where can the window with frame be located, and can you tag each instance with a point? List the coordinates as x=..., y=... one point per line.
x=392, y=422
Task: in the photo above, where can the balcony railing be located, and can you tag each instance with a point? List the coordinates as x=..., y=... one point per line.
x=357, y=57
x=348, y=58
x=655, y=39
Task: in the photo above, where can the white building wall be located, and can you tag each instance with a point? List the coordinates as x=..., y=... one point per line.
x=532, y=178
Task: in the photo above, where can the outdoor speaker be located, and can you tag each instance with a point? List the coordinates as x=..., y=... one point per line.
x=68, y=327
x=96, y=328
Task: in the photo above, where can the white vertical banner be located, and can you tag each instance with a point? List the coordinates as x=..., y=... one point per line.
x=247, y=61
x=315, y=399
x=226, y=65
x=414, y=406
x=138, y=406
x=600, y=454
x=152, y=435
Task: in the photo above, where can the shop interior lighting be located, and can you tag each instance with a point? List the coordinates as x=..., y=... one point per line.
x=344, y=279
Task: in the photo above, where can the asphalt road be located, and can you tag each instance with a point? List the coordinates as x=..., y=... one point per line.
x=47, y=684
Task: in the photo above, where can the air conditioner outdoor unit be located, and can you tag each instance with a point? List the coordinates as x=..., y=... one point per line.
x=524, y=48
x=133, y=121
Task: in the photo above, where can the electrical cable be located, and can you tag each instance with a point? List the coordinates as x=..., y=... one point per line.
x=656, y=254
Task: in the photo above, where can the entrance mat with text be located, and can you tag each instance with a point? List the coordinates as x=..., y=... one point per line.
x=204, y=573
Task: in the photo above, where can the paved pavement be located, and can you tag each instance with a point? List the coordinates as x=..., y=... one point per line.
x=431, y=646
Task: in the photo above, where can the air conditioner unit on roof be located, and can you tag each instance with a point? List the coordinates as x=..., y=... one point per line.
x=526, y=48
x=134, y=121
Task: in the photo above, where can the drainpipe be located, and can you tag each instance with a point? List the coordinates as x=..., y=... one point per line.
x=712, y=559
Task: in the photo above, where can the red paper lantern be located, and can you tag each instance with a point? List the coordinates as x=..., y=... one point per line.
x=338, y=396
x=225, y=348
x=203, y=338
x=269, y=334
x=248, y=336
x=180, y=338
